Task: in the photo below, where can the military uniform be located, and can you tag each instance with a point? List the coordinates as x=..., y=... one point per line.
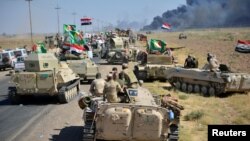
x=111, y=90
x=213, y=64
x=97, y=86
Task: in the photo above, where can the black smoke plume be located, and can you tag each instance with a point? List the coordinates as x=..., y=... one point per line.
x=205, y=13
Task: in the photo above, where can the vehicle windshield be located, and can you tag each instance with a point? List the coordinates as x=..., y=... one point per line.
x=4, y=55
x=18, y=53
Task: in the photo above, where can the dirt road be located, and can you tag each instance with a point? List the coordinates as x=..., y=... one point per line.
x=41, y=118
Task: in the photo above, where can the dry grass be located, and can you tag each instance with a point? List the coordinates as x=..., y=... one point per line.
x=220, y=42
x=203, y=111
x=233, y=109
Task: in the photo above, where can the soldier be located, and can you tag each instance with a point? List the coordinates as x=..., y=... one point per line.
x=123, y=73
x=114, y=70
x=209, y=56
x=111, y=90
x=97, y=86
x=213, y=64
x=189, y=62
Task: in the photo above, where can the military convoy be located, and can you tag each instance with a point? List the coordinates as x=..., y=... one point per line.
x=141, y=116
x=207, y=82
x=44, y=75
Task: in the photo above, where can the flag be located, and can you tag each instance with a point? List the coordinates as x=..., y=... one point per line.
x=69, y=28
x=74, y=47
x=86, y=21
x=243, y=46
x=166, y=26
x=157, y=45
x=39, y=47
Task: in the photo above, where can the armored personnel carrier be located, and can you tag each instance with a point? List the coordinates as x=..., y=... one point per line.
x=83, y=66
x=153, y=66
x=140, y=116
x=44, y=75
x=117, y=51
x=208, y=83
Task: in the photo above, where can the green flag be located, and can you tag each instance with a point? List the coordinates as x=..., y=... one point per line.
x=157, y=45
x=39, y=47
x=68, y=28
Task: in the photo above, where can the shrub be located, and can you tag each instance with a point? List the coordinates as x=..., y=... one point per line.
x=194, y=115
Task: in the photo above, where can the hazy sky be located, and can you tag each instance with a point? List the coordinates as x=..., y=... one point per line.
x=14, y=14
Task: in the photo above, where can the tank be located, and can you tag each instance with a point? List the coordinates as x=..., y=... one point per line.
x=83, y=66
x=141, y=116
x=153, y=66
x=207, y=82
x=44, y=75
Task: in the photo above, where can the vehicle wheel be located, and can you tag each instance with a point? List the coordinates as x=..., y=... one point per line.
x=178, y=85
x=196, y=88
x=118, y=55
x=13, y=97
x=184, y=87
x=204, y=90
x=190, y=88
x=211, y=91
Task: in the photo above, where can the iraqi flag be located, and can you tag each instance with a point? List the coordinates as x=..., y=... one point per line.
x=243, y=46
x=166, y=26
x=73, y=48
x=86, y=21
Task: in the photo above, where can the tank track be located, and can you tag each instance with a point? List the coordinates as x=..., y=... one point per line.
x=213, y=90
x=89, y=127
x=67, y=93
x=174, y=133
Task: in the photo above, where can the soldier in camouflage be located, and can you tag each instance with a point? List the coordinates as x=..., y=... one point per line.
x=111, y=90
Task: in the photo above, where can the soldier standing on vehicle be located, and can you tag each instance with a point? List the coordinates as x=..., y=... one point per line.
x=97, y=86
x=111, y=90
x=123, y=74
x=213, y=64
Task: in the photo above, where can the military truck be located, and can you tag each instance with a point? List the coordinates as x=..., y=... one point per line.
x=153, y=66
x=44, y=75
x=83, y=66
x=140, y=116
x=115, y=50
x=207, y=82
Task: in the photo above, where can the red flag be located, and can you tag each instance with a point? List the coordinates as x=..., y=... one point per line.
x=166, y=26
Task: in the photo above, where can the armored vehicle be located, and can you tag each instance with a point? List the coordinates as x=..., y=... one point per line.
x=44, y=75
x=115, y=51
x=140, y=116
x=153, y=66
x=208, y=83
x=83, y=66
x=182, y=36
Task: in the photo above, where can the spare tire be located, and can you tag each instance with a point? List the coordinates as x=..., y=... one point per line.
x=118, y=55
x=5, y=60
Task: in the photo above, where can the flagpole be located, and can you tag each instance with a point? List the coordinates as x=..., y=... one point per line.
x=58, y=22
x=31, y=35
